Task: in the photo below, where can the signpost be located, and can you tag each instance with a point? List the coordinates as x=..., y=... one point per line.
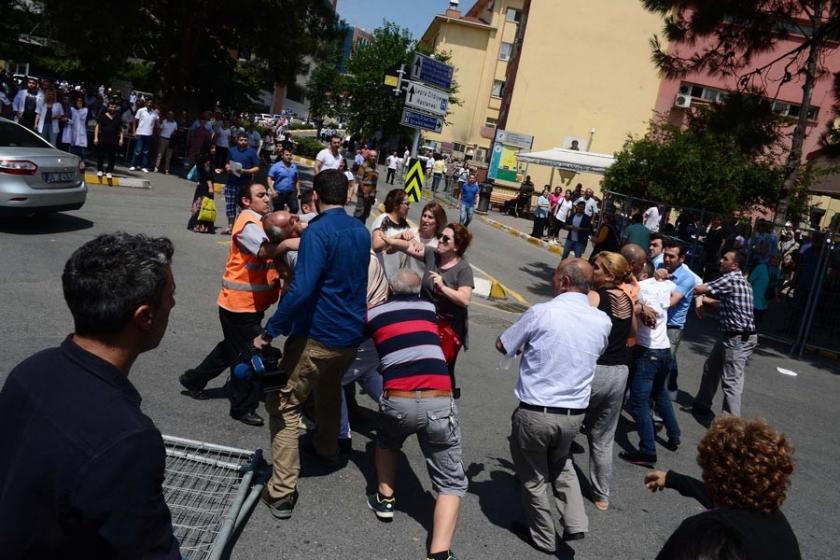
x=421, y=121
x=414, y=179
x=427, y=69
x=427, y=99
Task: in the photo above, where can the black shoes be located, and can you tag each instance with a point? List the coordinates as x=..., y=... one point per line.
x=193, y=391
x=673, y=443
x=638, y=458
x=281, y=508
x=345, y=446
x=250, y=418
x=567, y=536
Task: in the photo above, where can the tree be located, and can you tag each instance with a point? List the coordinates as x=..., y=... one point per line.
x=325, y=89
x=741, y=29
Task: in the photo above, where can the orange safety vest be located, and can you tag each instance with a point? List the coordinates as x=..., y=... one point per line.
x=250, y=284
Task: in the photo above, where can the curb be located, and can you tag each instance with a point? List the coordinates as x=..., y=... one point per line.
x=126, y=182
x=303, y=161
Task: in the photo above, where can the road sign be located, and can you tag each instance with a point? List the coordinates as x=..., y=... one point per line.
x=428, y=99
x=431, y=71
x=414, y=179
x=416, y=119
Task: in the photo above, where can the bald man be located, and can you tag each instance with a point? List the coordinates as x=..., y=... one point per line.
x=553, y=392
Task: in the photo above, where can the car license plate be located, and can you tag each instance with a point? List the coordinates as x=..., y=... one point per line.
x=67, y=177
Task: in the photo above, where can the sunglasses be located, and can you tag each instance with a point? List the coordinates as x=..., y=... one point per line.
x=445, y=238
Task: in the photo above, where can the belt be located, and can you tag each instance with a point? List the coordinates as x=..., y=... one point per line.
x=419, y=394
x=552, y=409
x=744, y=335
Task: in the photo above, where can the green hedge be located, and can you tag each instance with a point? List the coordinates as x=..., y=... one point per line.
x=308, y=147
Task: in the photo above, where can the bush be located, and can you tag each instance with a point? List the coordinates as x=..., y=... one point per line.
x=299, y=126
x=308, y=147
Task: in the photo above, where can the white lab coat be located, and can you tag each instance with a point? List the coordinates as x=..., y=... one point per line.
x=20, y=102
x=75, y=131
x=57, y=112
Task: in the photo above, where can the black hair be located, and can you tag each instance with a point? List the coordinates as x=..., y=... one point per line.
x=305, y=197
x=674, y=244
x=741, y=259
x=394, y=198
x=107, y=279
x=656, y=235
x=331, y=186
x=244, y=191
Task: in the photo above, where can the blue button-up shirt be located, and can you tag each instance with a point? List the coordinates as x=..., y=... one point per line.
x=327, y=298
x=284, y=177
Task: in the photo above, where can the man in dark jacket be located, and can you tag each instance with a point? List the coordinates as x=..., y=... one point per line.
x=579, y=226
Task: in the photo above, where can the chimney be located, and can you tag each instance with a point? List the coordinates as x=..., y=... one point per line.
x=453, y=10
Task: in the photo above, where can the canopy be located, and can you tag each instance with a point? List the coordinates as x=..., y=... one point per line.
x=569, y=160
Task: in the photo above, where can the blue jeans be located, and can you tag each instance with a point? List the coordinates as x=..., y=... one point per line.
x=466, y=214
x=650, y=372
x=436, y=177
x=578, y=247
x=365, y=371
x=142, y=144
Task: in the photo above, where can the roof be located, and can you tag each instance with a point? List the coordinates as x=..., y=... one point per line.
x=570, y=160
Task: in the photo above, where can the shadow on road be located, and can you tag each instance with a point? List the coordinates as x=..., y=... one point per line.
x=44, y=224
x=542, y=274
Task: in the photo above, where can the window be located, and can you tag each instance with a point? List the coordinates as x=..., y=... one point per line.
x=498, y=88
x=456, y=147
x=514, y=15
x=15, y=136
x=490, y=122
x=505, y=50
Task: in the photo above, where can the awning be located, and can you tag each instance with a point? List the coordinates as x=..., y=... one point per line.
x=569, y=160
x=826, y=183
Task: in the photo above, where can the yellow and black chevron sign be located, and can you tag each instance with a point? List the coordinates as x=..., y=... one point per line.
x=414, y=180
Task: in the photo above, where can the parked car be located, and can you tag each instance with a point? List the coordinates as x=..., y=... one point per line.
x=36, y=178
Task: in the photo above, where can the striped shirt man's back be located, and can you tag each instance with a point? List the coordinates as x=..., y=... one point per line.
x=405, y=331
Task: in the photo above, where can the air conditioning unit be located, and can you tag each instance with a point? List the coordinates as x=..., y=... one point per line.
x=682, y=101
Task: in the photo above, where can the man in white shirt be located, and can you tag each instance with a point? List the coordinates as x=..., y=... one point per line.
x=555, y=377
x=168, y=127
x=652, y=217
x=651, y=366
x=329, y=158
x=143, y=127
x=391, y=162
x=591, y=204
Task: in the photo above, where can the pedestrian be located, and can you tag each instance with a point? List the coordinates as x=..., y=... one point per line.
x=746, y=467
x=727, y=362
x=553, y=223
x=243, y=163
x=366, y=177
x=417, y=399
x=448, y=282
x=352, y=187
x=391, y=162
x=451, y=171
x=204, y=188
x=523, y=199
x=609, y=272
x=579, y=226
x=466, y=200
x=653, y=216
x=590, y=203
x=142, y=128
x=553, y=392
x=250, y=285
x=636, y=232
x=608, y=237
x=168, y=128
x=438, y=169
x=655, y=250
x=541, y=213
x=391, y=223
x=77, y=128
x=49, y=116
x=254, y=137
x=562, y=212
x=322, y=314
x=108, y=135
x=284, y=183
x=763, y=289
x=27, y=103
x=673, y=261
x=87, y=470
x=463, y=174
x=329, y=158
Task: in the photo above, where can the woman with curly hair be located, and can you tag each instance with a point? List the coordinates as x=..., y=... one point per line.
x=746, y=474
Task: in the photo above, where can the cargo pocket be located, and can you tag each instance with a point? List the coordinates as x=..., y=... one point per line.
x=443, y=428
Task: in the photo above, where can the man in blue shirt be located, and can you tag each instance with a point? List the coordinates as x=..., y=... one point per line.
x=243, y=163
x=284, y=181
x=466, y=200
x=673, y=256
x=323, y=315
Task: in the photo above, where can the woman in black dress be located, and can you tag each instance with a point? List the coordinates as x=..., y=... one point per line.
x=204, y=188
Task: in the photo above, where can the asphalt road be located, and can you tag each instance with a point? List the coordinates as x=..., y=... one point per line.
x=332, y=520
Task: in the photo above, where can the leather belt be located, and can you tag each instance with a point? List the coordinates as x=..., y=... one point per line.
x=421, y=394
x=552, y=409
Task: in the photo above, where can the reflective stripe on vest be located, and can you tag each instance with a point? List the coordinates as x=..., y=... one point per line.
x=240, y=287
x=250, y=283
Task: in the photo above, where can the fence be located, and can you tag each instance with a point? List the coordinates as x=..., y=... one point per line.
x=803, y=311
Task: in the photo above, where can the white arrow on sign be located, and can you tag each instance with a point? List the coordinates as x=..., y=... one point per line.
x=426, y=99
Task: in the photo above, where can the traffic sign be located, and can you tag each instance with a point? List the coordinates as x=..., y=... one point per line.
x=414, y=179
x=416, y=119
x=428, y=99
x=431, y=71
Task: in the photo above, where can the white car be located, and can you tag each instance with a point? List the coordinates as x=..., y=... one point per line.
x=35, y=177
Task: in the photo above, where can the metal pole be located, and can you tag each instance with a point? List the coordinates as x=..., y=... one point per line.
x=415, y=146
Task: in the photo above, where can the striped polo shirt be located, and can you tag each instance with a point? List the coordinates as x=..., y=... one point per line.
x=405, y=331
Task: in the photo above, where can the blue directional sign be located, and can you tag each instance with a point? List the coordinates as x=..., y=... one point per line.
x=416, y=119
x=432, y=72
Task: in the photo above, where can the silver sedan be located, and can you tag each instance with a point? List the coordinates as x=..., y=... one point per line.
x=35, y=177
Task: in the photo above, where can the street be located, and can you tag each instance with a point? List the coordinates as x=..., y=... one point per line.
x=331, y=520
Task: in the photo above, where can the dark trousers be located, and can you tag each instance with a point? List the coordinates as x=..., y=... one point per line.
x=221, y=156
x=286, y=200
x=363, y=206
x=240, y=330
x=539, y=227
x=390, y=177
x=104, y=151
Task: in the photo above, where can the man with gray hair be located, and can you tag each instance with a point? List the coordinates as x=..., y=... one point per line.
x=553, y=392
x=417, y=399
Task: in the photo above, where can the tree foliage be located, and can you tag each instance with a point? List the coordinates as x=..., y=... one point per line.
x=325, y=89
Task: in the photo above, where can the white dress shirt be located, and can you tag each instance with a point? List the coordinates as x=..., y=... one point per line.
x=561, y=342
x=656, y=295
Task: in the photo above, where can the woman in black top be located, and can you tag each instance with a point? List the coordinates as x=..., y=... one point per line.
x=204, y=188
x=746, y=474
x=608, y=237
x=609, y=271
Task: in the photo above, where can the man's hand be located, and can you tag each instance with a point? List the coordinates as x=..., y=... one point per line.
x=260, y=342
x=655, y=480
x=647, y=315
x=661, y=274
x=96, y=141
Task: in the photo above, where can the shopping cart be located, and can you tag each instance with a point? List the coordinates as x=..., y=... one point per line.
x=210, y=490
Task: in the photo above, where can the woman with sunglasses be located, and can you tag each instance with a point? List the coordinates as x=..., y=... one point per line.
x=447, y=281
x=391, y=223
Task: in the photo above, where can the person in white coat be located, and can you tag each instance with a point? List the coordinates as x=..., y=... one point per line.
x=75, y=133
x=49, y=115
x=26, y=103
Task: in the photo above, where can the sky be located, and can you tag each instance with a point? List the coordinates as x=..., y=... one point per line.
x=416, y=15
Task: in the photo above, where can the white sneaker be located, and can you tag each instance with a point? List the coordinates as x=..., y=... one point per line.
x=145, y=170
x=99, y=174
x=132, y=168
x=109, y=176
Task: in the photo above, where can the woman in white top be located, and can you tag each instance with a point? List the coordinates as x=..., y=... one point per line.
x=391, y=223
x=432, y=221
x=164, y=152
x=351, y=179
x=75, y=133
x=48, y=117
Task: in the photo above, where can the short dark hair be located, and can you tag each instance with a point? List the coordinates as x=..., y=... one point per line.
x=674, y=244
x=108, y=278
x=305, y=197
x=244, y=191
x=654, y=236
x=334, y=136
x=740, y=258
x=331, y=186
x=394, y=198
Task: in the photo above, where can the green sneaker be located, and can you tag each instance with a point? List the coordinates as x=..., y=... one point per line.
x=383, y=508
